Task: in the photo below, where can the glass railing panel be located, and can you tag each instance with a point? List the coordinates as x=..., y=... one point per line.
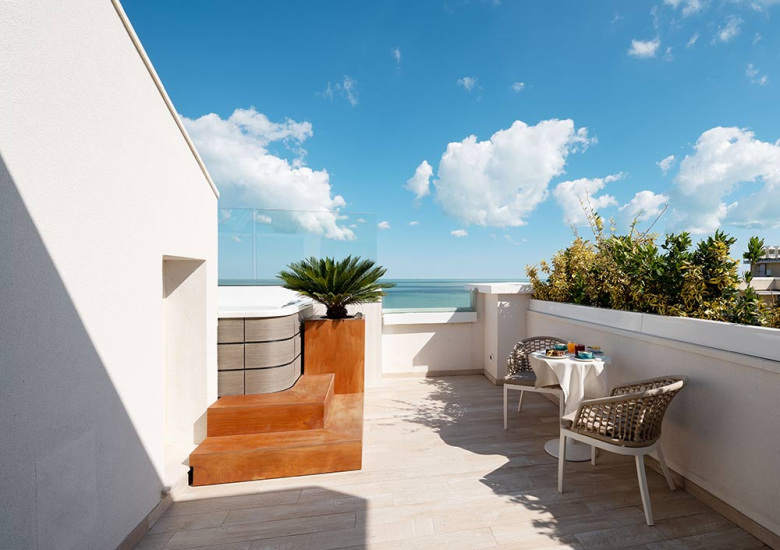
x=236, y=245
x=256, y=244
x=410, y=295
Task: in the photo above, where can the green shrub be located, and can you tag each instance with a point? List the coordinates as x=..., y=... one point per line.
x=630, y=272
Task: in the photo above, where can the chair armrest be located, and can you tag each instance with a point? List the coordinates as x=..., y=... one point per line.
x=650, y=384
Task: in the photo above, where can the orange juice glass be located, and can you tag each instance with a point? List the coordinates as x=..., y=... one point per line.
x=572, y=347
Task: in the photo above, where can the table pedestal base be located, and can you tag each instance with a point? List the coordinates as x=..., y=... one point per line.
x=576, y=451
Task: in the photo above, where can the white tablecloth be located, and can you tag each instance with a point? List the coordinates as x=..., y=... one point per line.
x=579, y=379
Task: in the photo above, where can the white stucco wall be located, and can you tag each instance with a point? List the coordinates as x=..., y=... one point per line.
x=502, y=311
x=441, y=343
x=720, y=432
x=97, y=186
x=424, y=347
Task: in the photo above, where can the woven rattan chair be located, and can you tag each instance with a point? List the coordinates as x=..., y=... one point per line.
x=627, y=423
x=520, y=376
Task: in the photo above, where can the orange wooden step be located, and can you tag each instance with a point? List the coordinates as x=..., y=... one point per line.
x=335, y=448
x=305, y=406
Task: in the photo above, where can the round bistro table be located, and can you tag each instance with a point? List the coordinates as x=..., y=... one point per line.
x=580, y=379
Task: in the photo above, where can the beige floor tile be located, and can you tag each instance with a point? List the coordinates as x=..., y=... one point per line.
x=441, y=472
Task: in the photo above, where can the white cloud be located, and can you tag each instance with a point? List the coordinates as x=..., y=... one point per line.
x=236, y=238
x=500, y=181
x=645, y=206
x=346, y=89
x=644, y=48
x=236, y=154
x=396, y=52
x=689, y=7
x=759, y=5
x=656, y=19
x=668, y=54
x=265, y=131
x=752, y=73
x=459, y=233
x=576, y=196
x=382, y=226
x=419, y=183
x=666, y=163
x=414, y=222
x=730, y=29
x=468, y=83
x=756, y=38
x=512, y=241
x=518, y=87
x=723, y=160
x=692, y=40
x=263, y=219
x=360, y=220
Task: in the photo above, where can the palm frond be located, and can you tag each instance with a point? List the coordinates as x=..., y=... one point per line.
x=336, y=284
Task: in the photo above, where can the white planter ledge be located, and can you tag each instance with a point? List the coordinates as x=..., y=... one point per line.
x=759, y=342
x=501, y=288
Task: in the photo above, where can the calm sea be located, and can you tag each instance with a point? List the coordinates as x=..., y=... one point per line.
x=414, y=293
x=432, y=293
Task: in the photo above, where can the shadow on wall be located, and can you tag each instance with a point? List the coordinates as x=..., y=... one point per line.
x=74, y=472
x=307, y=517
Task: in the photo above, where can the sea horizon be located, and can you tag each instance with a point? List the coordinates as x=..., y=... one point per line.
x=410, y=294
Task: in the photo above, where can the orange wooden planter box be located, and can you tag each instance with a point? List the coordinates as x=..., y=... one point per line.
x=336, y=346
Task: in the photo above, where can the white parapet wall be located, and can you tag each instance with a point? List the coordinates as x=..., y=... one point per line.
x=721, y=431
x=503, y=323
x=438, y=343
x=430, y=343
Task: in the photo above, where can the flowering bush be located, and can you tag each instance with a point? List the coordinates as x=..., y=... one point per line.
x=630, y=272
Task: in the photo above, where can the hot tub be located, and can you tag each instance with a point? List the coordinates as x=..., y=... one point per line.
x=259, y=339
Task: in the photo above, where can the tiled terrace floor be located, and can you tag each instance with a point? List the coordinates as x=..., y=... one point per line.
x=440, y=472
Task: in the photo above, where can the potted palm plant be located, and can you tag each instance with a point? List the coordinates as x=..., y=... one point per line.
x=336, y=343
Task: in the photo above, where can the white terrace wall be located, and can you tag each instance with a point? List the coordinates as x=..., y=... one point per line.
x=99, y=190
x=439, y=343
x=434, y=343
x=721, y=432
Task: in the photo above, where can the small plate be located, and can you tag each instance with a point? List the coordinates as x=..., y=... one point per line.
x=585, y=360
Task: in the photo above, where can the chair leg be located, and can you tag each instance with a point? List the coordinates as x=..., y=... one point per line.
x=520, y=403
x=643, y=491
x=506, y=405
x=667, y=474
x=561, y=460
x=593, y=455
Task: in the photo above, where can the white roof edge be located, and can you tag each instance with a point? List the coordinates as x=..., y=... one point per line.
x=160, y=88
x=501, y=288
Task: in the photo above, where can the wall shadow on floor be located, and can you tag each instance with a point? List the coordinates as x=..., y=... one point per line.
x=305, y=517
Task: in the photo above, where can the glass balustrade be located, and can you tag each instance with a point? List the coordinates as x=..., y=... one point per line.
x=255, y=244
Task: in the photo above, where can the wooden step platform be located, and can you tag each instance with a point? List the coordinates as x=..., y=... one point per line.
x=336, y=447
x=314, y=427
x=305, y=406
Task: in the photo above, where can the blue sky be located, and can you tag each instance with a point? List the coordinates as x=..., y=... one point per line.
x=337, y=105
